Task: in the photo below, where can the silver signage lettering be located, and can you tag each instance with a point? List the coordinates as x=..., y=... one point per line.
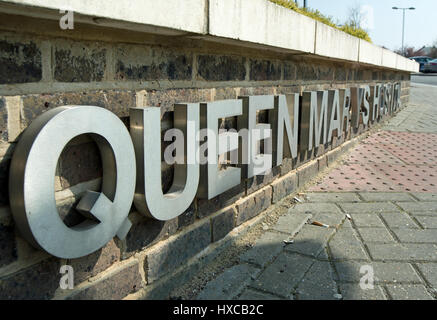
x=146, y=136
x=285, y=114
x=334, y=112
x=314, y=119
x=32, y=181
x=212, y=180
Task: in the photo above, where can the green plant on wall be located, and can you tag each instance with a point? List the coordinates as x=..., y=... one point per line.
x=317, y=15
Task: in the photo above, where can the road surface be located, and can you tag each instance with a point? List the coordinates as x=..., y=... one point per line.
x=429, y=79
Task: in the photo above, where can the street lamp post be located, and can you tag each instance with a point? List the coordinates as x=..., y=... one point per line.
x=403, y=24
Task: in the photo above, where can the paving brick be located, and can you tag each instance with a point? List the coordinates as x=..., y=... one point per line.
x=384, y=272
x=418, y=206
x=354, y=292
x=291, y=223
x=207, y=207
x=426, y=196
x=332, y=197
x=268, y=246
x=284, y=186
x=429, y=271
x=251, y=294
x=253, y=205
x=229, y=284
x=331, y=219
x=346, y=246
x=368, y=207
x=403, y=252
x=283, y=275
x=174, y=252
x=367, y=220
x=375, y=235
x=114, y=286
x=318, y=283
x=314, y=208
x=385, y=196
x=91, y=265
x=408, y=292
x=398, y=220
x=416, y=236
x=222, y=224
x=427, y=222
x=310, y=240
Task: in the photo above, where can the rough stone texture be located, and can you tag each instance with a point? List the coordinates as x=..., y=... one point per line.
x=408, y=292
x=398, y=220
x=427, y=222
x=265, y=249
x=146, y=232
x=289, y=71
x=79, y=163
x=20, y=62
x=307, y=172
x=262, y=70
x=207, y=207
x=416, y=236
x=39, y=281
x=418, y=206
x=375, y=235
x=384, y=272
x=8, y=250
x=151, y=63
x=429, y=271
x=310, y=240
x=283, y=275
x=229, y=284
x=166, y=257
x=368, y=207
x=426, y=196
x=354, y=292
x=403, y=252
x=284, y=186
x=251, y=294
x=332, y=197
x=315, y=208
x=346, y=245
x=222, y=224
x=221, y=68
x=385, y=196
x=91, y=265
x=291, y=223
x=318, y=283
x=367, y=220
x=117, y=101
x=253, y=205
x=79, y=62
x=113, y=286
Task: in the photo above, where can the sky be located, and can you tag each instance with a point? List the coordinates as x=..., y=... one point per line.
x=386, y=27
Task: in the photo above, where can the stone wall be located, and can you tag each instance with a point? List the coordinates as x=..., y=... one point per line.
x=42, y=69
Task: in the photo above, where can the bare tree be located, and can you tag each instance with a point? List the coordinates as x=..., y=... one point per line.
x=355, y=17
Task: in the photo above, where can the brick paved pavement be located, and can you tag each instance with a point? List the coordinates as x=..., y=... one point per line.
x=381, y=208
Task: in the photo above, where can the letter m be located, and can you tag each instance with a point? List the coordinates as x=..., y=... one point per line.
x=314, y=119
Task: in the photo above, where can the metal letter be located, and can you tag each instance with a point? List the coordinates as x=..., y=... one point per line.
x=257, y=164
x=32, y=181
x=334, y=112
x=286, y=112
x=146, y=136
x=314, y=119
x=212, y=180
